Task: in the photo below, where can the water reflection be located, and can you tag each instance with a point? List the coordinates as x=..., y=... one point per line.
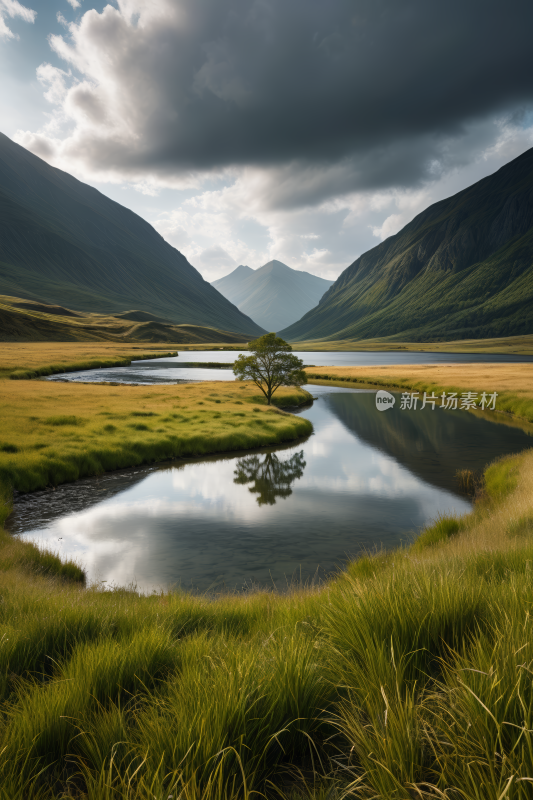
x=271, y=477
x=363, y=479
x=432, y=444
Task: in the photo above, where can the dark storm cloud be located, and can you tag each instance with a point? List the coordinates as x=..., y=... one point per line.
x=350, y=94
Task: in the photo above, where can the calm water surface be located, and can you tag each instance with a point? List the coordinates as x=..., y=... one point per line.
x=364, y=479
x=168, y=370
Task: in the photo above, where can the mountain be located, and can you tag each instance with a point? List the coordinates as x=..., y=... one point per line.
x=273, y=295
x=463, y=268
x=28, y=321
x=63, y=242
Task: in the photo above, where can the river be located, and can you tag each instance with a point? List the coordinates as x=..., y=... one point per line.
x=363, y=480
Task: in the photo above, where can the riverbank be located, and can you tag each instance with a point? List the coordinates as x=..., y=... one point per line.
x=401, y=677
x=508, y=345
x=25, y=361
x=53, y=433
x=512, y=382
x=58, y=432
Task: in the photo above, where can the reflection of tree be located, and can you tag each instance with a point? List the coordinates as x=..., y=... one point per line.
x=271, y=477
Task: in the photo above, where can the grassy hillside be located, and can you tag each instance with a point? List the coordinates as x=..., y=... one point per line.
x=28, y=321
x=62, y=242
x=273, y=295
x=461, y=269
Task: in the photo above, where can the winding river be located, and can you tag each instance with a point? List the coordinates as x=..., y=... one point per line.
x=363, y=480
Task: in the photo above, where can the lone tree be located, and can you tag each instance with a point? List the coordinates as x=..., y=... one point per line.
x=270, y=366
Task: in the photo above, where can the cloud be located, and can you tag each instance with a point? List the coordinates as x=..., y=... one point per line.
x=337, y=97
x=74, y=3
x=300, y=131
x=12, y=9
x=323, y=238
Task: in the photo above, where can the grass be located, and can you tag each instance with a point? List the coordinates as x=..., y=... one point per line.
x=513, y=382
x=25, y=361
x=113, y=427
x=519, y=345
x=33, y=321
x=405, y=676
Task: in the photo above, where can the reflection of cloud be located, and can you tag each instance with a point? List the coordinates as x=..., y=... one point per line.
x=178, y=520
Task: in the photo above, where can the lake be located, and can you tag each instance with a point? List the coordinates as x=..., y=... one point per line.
x=364, y=480
x=169, y=370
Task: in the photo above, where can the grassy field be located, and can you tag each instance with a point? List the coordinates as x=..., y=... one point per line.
x=406, y=676
x=30, y=360
x=409, y=675
x=509, y=345
x=513, y=382
x=59, y=432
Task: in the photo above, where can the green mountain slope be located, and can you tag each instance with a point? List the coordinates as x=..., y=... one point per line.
x=63, y=242
x=273, y=295
x=461, y=269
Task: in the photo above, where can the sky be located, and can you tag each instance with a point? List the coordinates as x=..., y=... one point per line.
x=248, y=130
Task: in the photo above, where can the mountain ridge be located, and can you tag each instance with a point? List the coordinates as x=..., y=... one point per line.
x=463, y=268
x=64, y=242
x=274, y=294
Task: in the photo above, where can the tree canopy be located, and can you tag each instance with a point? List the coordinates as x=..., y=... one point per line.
x=270, y=365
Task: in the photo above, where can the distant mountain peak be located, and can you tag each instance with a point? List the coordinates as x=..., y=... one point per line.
x=273, y=295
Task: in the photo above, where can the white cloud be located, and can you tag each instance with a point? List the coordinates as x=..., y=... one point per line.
x=143, y=98
x=74, y=3
x=12, y=9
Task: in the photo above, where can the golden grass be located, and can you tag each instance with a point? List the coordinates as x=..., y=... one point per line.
x=55, y=432
x=512, y=382
x=21, y=356
x=519, y=345
x=30, y=321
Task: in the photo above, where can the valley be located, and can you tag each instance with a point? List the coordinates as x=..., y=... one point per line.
x=198, y=588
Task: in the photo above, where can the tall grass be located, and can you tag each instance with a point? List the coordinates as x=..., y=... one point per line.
x=408, y=675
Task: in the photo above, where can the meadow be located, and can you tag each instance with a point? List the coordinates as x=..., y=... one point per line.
x=520, y=345
x=408, y=675
x=512, y=382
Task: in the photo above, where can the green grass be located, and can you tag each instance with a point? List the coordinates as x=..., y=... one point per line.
x=112, y=428
x=408, y=675
x=439, y=532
